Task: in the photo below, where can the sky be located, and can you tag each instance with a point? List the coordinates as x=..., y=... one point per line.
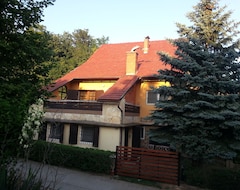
x=124, y=20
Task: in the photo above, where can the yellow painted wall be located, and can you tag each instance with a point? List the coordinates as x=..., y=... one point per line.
x=66, y=134
x=141, y=99
x=85, y=85
x=96, y=85
x=109, y=138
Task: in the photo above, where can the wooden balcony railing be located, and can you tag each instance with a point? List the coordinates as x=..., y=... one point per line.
x=84, y=105
x=73, y=104
x=132, y=108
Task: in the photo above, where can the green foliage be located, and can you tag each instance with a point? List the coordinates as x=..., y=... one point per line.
x=211, y=24
x=85, y=159
x=17, y=180
x=215, y=178
x=23, y=48
x=202, y=117
x=71, y=50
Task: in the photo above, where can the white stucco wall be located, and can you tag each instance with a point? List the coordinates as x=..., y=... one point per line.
x=109, y=138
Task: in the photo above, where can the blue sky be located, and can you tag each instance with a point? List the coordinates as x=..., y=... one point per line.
x=124, y=20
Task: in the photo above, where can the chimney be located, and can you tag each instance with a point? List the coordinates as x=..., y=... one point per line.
x=146, y=44
x=131, y=63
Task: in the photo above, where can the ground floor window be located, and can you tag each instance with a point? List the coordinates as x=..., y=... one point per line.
x=87, y=134
x=90, y=134
x=56, y=131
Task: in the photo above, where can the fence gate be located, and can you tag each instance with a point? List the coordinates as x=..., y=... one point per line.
x=157, y=165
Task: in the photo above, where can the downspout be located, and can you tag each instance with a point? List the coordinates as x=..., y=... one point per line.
x=121, y=107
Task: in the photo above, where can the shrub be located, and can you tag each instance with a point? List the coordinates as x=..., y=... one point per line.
x=224, y=179
x=85, y=159
x=213, y=177
x=12, y=179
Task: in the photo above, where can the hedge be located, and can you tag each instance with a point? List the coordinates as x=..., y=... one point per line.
x=85, y=159
x=214, y=178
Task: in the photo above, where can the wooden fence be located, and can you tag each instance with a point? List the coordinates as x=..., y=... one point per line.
x=156, y=165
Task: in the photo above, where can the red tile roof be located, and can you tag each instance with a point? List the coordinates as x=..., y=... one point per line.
x=109, y=62
x=119, y=89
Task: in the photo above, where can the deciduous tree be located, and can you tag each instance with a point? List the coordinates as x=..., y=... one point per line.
x=71, y=50
x=23, y=48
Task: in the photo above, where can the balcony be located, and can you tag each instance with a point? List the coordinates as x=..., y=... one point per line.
x=73, y=104
x=90, y=111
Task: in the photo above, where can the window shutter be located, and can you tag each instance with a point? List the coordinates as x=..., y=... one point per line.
x=61, y=129
x=73, y=134
x=96, y=136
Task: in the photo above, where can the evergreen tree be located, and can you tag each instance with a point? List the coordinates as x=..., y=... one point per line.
x=201, y=114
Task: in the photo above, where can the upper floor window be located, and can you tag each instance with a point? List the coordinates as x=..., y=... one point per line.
x=62, y=91
x=88, y=95
x=85, y=95
x=153, y=97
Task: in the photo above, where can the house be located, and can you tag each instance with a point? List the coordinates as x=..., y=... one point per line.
x=103, y=102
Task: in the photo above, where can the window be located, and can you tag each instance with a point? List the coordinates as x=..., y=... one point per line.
x=72, y=94
x=43, y=132
x=153, y=97
x=87, y=134
x=90, y=135
x=87, y=95
x=62, y=91
x=56, y=131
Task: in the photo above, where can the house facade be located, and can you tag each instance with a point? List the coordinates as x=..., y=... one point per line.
x=103, y=103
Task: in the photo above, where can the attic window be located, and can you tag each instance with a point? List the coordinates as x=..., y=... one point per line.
x=62, y=91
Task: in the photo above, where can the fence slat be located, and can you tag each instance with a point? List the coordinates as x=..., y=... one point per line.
x=157, y=165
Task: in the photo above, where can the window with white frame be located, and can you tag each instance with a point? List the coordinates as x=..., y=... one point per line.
x=153, y=97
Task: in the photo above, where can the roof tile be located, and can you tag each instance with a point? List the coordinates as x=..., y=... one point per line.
x=109, y=62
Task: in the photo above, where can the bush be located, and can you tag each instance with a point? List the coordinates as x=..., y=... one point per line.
x=12, y=179
x=213, y=177
x=85, y=159
x=224, y=179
